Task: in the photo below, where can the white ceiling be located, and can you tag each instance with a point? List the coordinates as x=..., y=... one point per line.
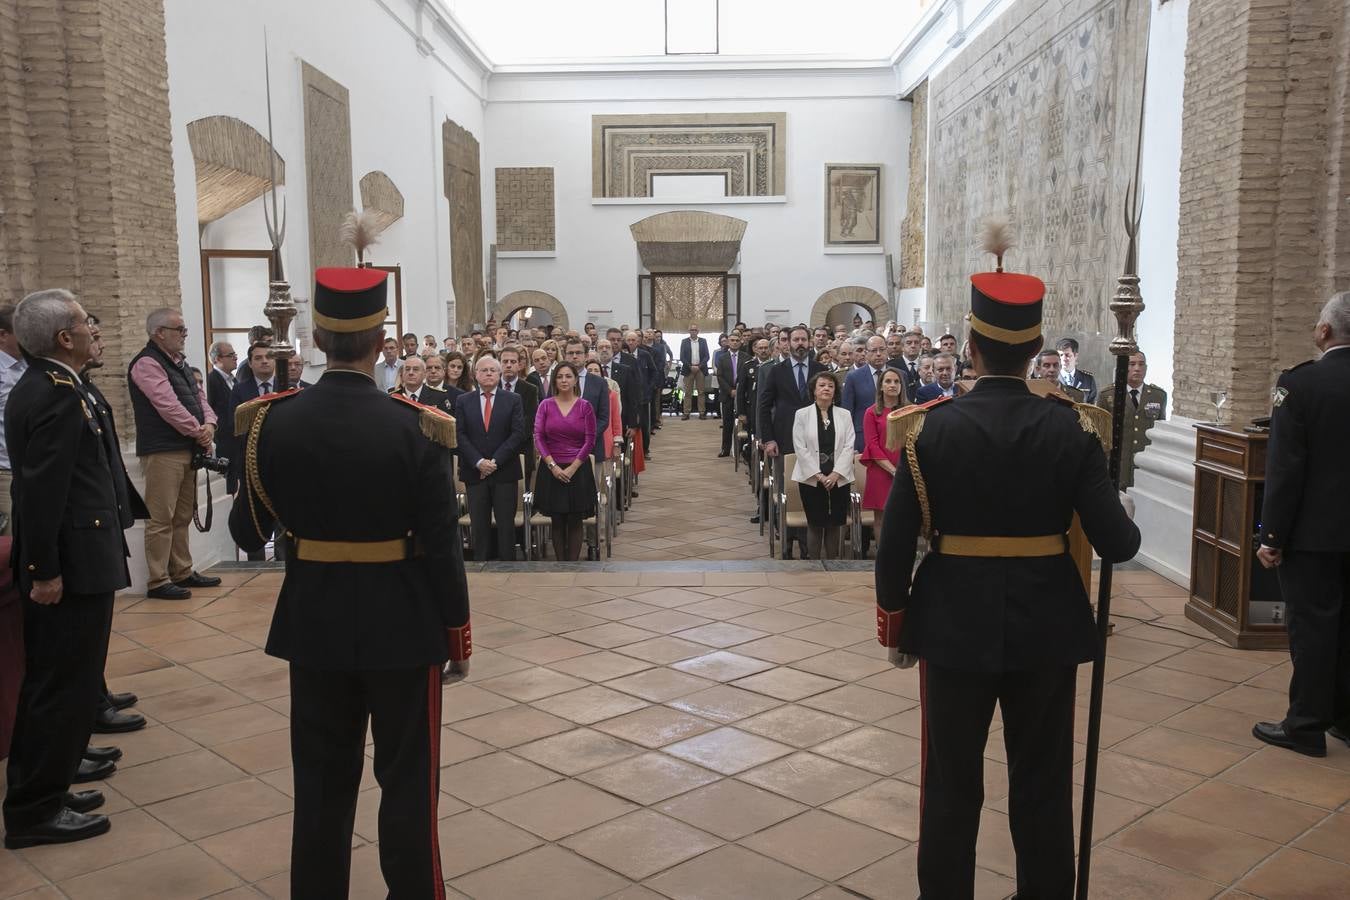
x=527, y=31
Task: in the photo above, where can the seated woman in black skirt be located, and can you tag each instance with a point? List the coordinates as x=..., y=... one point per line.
x=564, y=486
x=822, y=438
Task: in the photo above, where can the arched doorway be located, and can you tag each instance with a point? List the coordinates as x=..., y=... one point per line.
x=545, y=309
x=843, y=302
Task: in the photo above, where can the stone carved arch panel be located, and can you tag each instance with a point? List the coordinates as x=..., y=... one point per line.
x=852, y=294
x=507, y=306
x=232, y=165
x=688, y=240
x=380, y=196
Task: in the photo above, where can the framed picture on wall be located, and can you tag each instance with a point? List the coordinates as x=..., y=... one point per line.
x=852, y=204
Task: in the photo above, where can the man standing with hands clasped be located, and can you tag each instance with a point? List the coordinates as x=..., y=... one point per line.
x=1305, y=535
x=491, y=434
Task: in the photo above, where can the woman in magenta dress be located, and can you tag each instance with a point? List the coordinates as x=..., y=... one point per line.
x=564, y=487
x=880, y=462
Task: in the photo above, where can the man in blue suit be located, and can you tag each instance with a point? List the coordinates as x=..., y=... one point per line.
x=694, y=367
x=594, y=391
x=944, y=368
x=491, y=433
x=860, y=387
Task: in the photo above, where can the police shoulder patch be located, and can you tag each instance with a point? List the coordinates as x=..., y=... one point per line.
x=1278, y=397
x=246, y=412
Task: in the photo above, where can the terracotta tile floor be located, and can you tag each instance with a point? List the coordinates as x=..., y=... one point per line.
x=692, y=734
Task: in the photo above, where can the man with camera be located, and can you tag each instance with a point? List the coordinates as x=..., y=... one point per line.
x=175, y=426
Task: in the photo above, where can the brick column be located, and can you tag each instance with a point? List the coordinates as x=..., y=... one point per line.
x=86, y=171
x=1263, y=227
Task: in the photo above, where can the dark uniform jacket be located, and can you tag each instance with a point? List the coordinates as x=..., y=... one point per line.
x=1001, y=462
x=130, y=505
x=779, y=401
x=1307, y=500
x=344, y=461
x=67, y=519
x=1084, y=381
x=1135, y=423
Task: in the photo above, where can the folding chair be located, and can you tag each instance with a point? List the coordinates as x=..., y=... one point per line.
x=531, y=520
x=462, y=499
x=791, y=512
x=855, y=511
x=596, y=526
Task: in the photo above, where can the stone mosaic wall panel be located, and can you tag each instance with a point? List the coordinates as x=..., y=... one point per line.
x=328, y=166
x=464, y=191
x=1039, y=117
x=916, y=209
x=525, y=209
x=749, y=148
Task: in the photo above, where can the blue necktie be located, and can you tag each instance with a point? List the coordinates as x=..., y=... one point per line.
x=801, y=379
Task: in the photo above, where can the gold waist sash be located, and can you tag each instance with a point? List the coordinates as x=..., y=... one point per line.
x=975, y=545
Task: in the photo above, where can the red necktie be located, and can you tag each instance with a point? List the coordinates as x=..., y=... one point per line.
x=487, y=411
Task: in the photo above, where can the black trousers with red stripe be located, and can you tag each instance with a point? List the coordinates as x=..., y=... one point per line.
x=958, y=707
x=329, y=712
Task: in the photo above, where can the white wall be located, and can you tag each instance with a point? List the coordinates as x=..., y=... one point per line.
x=834, y=116
x=398, y=99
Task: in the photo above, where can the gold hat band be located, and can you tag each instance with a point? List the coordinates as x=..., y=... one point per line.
x=993, y=332
x=346, y=326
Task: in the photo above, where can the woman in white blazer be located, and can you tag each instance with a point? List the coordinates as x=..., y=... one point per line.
x=822, y=438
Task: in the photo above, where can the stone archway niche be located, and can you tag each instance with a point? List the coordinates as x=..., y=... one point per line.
x=515, y=301
x=851, y=295
x=232, y=165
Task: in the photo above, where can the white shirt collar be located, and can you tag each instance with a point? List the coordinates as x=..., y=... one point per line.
x=76, y=375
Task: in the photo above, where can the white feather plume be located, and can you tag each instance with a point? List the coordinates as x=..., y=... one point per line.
x=361, y=230
x=997, y=236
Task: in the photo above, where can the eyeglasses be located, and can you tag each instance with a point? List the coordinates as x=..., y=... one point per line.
x=231, y=354
x=181, y=329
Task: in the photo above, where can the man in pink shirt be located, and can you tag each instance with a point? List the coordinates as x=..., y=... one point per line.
x=173, y=423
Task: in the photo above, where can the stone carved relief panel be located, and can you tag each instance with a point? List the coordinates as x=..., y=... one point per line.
x=1038, y=117
x=750, y=147
x=916, y=210
x=525, y=219
x=328, y=166
x=464, y=191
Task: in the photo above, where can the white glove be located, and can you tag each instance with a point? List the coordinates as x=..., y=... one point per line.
x=900, y=660
x=1127, y=503
x=455, y=671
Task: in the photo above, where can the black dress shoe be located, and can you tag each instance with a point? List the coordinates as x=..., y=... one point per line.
x=63, y=828
x=84, y=801
x=1275, y=734
x=103, y=754
x=1340, y=734
x=123, y=700
x=93, y=771
x=724, y=454
x=198, y=580
x=168, y=591
x=110, y=721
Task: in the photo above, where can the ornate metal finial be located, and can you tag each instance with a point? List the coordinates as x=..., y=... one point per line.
x=1128, y=303
x=280, y=308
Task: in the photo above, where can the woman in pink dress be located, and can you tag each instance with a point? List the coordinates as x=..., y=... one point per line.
x=880, y=461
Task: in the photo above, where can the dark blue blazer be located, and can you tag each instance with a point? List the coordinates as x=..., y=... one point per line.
x=928, y=392
x=687, y=355
x=247, y=389
x=502, y=441
x=860, y=392
x=596, y=393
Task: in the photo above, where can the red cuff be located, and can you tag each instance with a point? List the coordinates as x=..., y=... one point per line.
x=461, y=642
x=888, y=627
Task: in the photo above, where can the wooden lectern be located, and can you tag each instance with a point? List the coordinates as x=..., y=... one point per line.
x=1231, y=595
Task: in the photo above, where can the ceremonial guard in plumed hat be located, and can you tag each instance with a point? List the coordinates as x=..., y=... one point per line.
x=374, y=600
x=997, y=613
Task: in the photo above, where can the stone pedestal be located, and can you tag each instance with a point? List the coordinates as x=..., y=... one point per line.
x=1164, y=498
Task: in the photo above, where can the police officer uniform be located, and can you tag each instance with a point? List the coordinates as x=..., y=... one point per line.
x=1144, y=405
x=997, y=612
x=373, y=602
x=1306, y=515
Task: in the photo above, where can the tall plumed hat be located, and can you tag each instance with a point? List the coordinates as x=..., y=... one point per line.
x=1004, y=306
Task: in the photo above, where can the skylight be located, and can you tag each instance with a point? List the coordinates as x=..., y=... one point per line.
x=526, y=31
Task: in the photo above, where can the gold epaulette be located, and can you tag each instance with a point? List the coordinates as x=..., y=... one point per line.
x=436, y=425
x=246, y=412
x=900, y=423
x=1096, y=421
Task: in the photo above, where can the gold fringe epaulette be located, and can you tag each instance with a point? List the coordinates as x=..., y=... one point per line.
x=1096, y=421
x=246, y=412
x=901, y=423
x=436, y=425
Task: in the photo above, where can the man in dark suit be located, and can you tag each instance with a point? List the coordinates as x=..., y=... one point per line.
x=1305, y=535
x=630, y=385
x=374, y=599
x=414, y=387
x=944, y=370
x=783, y=391
x=594, y=391
x=911, y=346
x=220, y=383
x=694, y=367
x=645, y=361
x=729, y=366
x=860, y=386
x=510, y=358
x=747, y=393
x=490, y=436
x=997, y=612
x=70, y=558
x=263, y=369
x=1073, y=376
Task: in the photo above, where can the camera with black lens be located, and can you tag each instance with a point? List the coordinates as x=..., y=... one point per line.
x=218, y=464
